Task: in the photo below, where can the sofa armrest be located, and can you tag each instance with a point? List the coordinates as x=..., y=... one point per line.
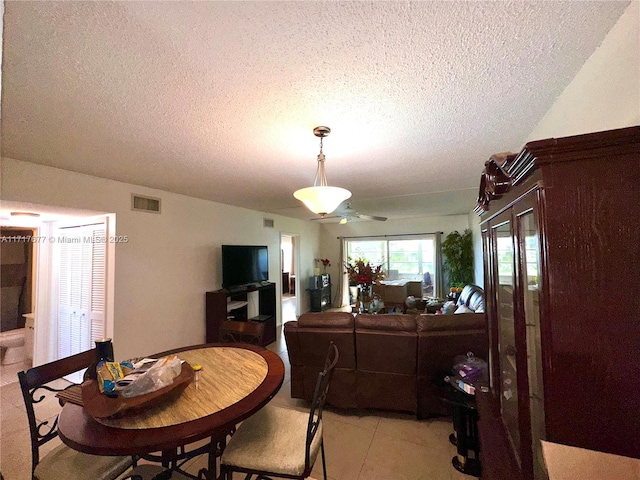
x=293, y=343
x=308, y=339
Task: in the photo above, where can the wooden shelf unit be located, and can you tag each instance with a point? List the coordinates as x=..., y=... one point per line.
x=222, y=304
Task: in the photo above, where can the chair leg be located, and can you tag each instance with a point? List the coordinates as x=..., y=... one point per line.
x=324, y=464
x=211, y=464
x=225, y=472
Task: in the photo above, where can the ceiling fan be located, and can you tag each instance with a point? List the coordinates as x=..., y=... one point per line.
x=349, y=214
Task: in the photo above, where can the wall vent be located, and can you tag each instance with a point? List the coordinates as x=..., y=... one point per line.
x=267, y=222
x=140, y=203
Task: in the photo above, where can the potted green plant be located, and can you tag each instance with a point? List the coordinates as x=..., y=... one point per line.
x=457, y=249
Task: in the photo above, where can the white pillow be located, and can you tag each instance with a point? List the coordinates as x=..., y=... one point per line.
x=463, y=309
x=448, y=308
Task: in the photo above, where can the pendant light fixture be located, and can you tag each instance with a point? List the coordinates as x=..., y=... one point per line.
x=321, y=198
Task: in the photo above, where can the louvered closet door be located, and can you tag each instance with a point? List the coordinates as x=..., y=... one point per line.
x=98, y=268
x=81, y=288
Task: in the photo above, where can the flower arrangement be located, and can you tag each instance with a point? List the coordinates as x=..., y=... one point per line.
x=325, y=263
x=361, y=272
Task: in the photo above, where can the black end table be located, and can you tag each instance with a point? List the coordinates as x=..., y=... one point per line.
x=465, y=425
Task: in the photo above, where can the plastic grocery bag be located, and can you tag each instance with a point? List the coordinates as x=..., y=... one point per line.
x=469, y=373
x=472, y=369
x=159, y=375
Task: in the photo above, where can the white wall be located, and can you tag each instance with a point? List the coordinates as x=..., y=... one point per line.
x=605, y=94
x=170, y=260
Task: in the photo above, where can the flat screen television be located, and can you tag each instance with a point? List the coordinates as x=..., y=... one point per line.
x=244, y=264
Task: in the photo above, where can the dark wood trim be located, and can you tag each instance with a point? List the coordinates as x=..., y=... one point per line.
x=508, y=170
x=496, y=455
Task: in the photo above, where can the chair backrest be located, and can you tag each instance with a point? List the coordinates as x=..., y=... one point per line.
x=319, y=397
x=33, y=385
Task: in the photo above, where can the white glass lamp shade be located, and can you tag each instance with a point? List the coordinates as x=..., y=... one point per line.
x=322, y=200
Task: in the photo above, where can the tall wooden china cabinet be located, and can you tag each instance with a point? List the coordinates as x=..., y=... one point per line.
x=560, y=226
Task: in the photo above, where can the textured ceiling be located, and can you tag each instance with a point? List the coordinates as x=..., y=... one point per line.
x=218, y=100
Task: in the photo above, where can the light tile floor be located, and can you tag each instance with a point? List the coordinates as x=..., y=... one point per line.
x=359, y=445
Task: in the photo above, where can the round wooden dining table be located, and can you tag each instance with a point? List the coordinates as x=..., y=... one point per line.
x=236, y=380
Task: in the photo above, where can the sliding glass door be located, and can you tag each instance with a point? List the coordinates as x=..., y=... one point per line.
x=411, y=257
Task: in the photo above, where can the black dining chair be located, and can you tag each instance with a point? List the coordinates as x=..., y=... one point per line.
x=281, y=442
x=62, y=462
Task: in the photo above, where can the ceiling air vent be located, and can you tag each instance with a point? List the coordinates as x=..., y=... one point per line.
x=140, y=203
x=267, y=222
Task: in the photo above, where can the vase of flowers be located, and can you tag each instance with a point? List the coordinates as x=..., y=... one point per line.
x=325, y=262
x=363, y=274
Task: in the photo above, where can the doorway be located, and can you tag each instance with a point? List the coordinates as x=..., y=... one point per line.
x=16, y=320
x=290, y=281
x=43, y=297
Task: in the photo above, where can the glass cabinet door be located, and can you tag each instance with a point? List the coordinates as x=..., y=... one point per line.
x=504, y=271
x=530, y=248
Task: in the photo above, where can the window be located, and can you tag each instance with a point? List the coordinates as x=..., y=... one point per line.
x=403, y=258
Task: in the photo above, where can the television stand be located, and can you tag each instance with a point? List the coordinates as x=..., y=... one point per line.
x=217, y=310
x=237, y=288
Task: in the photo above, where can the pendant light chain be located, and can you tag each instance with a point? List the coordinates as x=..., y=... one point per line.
x=320, y=171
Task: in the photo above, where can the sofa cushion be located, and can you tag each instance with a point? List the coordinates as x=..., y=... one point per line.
x=440, y=323
x=388, y=323
x=326, y=320
x=386, y=343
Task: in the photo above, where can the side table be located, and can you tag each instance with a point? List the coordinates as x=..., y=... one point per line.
x=465, y=426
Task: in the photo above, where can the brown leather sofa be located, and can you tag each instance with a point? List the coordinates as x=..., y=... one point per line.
x=386, y=362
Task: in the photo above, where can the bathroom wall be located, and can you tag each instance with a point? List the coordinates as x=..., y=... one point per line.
x=16, y=260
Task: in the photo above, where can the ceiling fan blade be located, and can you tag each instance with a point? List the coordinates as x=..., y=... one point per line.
x=324, y=218
x=373, y=217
